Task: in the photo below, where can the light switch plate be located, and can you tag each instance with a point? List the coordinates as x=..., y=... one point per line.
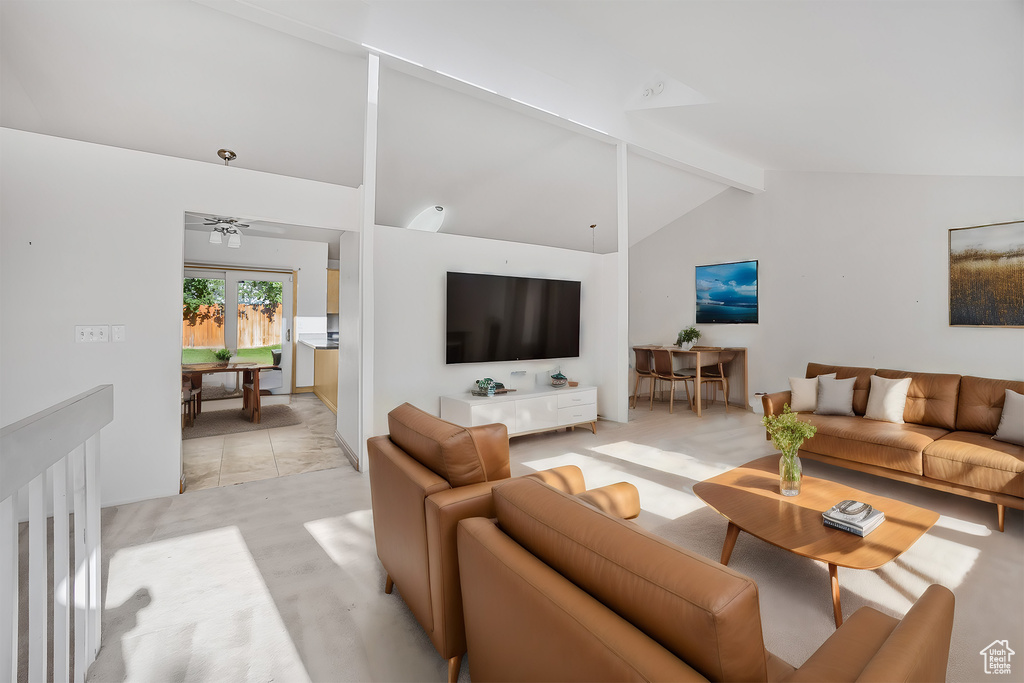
x=117, y=333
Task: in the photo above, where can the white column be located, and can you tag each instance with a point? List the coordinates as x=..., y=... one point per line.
x=369, y=219
x=620, y=354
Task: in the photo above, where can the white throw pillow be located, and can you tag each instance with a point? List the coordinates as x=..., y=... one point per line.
x=804, y=393
x=1011, y=424
x=835, y=396
x=887, y=399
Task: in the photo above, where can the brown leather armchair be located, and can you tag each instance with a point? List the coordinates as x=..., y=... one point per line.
x=555, y=590
x=425, y=476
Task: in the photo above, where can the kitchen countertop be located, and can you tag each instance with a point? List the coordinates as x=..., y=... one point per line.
x=318, y=341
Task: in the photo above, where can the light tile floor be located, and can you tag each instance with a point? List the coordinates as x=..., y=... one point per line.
x=250, y=456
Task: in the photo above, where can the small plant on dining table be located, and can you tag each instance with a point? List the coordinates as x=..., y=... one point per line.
x=223, y=354
x=688, y=335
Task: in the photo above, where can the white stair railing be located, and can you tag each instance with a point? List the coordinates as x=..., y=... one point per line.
x=64, y=442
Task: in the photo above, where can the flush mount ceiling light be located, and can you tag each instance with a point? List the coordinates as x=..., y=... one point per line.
x=429, y=219
x=227, y=155
x=226, y=226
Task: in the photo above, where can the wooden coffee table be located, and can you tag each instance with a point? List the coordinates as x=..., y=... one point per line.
x=749, y=498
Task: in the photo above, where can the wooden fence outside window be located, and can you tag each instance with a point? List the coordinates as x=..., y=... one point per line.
x=254, y=329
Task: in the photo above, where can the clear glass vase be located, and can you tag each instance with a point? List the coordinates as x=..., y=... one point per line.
x=790, y=473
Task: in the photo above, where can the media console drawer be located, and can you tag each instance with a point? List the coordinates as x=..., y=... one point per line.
x=579, y=397
x=525, y=411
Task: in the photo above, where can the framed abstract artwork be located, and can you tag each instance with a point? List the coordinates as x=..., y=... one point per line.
x=727, y=293
x=986, y=275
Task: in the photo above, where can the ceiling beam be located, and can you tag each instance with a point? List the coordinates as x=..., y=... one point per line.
x=432, y=40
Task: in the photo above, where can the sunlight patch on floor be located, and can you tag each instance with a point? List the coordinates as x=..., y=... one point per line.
x=208, y=597
x=963, y=526
x=667, y=461
x=345, y=540
x=661, y=500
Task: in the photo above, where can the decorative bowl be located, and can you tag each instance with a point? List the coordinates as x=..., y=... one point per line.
x=559, y=381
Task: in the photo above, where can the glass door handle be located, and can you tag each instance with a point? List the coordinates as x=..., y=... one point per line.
x=288, y=335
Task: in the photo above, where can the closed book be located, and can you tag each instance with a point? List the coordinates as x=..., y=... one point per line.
x=850, y=512
x=858, y=529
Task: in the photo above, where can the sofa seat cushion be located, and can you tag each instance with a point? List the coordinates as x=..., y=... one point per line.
x=885, y=444
x=704, y=613
x=975, y=459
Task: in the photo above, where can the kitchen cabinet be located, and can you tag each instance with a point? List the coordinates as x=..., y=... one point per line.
x=325, y=377
x=332, y=291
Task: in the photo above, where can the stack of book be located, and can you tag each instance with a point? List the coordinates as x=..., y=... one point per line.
x=853, y=516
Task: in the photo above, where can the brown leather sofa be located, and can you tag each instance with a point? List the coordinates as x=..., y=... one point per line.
x=425, y=476
x=556, y=590
x=945, y=443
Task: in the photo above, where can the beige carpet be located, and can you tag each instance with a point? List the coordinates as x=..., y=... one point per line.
x=218, y=422
x=279, y=580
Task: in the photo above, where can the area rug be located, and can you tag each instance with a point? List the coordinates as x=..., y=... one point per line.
x=219, y=422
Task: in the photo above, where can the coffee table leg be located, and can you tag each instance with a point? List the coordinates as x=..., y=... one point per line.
x=833, y=575
x=731, y=534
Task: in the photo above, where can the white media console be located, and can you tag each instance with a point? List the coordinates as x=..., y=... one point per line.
x=523, y=412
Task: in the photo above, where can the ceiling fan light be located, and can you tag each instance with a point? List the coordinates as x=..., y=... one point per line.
x=234, y=241
x=215, y=237
x=429, y=219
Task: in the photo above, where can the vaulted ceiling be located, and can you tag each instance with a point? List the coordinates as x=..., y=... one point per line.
x=707, y=94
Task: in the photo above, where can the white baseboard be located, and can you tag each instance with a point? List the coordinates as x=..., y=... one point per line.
x=347, y=450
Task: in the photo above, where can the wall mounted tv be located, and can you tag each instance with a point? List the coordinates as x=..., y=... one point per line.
x=497, y=318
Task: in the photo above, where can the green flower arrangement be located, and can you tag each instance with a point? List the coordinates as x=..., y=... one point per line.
x=223, y=354
x=788, y=432
x=688, y=335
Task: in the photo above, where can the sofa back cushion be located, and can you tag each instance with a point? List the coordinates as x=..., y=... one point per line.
x=704, y=613
x=931, y=399
x=981, y=403
x=449, y=450
x=860, y=388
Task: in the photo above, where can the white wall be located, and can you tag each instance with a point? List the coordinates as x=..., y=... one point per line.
x=309, y=258
x=94, y=235
x=349, y=358
x=409, y=301
x=852, y=270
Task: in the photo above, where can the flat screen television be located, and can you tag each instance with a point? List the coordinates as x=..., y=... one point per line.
x=498, y=318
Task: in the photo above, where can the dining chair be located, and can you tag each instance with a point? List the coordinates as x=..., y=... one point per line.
x=715, y=375
x=189, y=397
x=663, y=371
x=643, y=371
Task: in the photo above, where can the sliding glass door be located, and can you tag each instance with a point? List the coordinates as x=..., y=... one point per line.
x=249, y=313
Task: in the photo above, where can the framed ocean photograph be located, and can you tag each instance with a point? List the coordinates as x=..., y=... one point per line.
x=986, y=275
x=727, y=293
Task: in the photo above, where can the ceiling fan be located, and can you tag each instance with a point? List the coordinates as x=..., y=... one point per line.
x=227, y=226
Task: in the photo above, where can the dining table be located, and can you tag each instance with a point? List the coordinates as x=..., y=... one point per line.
x=245, y=373
x=698, y=357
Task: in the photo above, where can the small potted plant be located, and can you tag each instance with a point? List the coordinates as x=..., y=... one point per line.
x=223, y=355
x=688, y=336
x=788, y=432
